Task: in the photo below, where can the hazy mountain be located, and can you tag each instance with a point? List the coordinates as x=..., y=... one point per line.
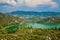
x=36, y=13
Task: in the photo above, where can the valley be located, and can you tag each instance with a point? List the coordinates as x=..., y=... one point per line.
x=29, y=27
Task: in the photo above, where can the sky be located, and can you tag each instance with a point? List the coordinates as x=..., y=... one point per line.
x=30, y=5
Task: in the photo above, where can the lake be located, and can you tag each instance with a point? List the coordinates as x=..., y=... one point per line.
x=36, y=25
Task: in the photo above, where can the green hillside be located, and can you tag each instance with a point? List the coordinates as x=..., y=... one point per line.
x=13, y=28
x=8, y=20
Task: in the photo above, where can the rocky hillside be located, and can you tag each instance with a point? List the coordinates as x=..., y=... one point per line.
x=6, y=20
x=53, y=20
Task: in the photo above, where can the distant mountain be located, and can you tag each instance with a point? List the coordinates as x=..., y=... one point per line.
x=36, y=13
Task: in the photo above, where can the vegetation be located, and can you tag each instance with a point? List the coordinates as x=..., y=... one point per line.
x=48, y=20
x=8, y=20
x=32, y=34
x=13, y=28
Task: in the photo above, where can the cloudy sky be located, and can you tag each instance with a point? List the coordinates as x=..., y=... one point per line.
x=30, y=5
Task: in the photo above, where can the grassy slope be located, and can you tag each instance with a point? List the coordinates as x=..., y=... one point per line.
x=32, y=34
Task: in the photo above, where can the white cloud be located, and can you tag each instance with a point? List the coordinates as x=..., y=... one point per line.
x=19, y=1
x=12, y=2
x=30, y=3
x=34, y=3
x=54, y=5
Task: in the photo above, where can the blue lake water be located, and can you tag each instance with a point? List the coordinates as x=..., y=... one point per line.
x=36, y=25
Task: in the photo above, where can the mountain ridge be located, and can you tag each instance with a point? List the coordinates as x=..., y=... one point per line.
x=35, y=13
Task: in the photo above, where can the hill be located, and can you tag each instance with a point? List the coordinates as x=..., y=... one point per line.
x=48, y=17
x=49, y=20
x=6, y=20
